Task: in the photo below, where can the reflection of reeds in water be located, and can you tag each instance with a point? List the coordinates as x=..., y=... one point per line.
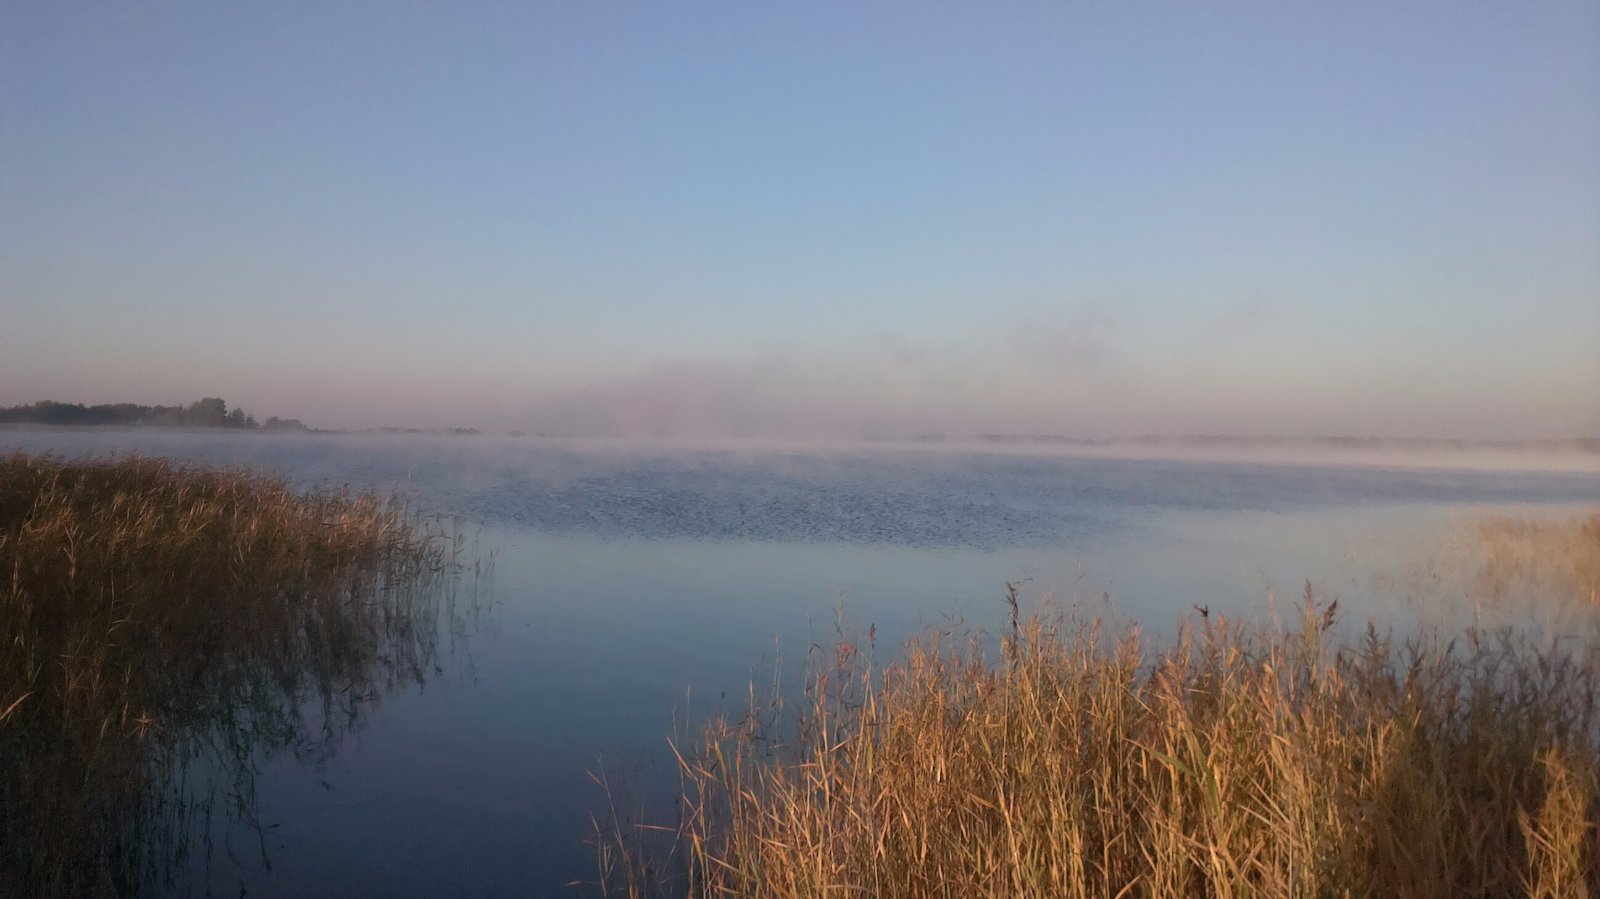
x=160, y=619
x=1235, y=761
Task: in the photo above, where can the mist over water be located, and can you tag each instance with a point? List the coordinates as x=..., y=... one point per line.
x=967, y=495
x=642, y=585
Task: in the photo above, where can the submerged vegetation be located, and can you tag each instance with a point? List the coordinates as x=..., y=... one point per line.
x=163, y=624
x=1236, y=760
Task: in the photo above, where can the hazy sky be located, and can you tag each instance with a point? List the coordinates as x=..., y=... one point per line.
x=810, y=218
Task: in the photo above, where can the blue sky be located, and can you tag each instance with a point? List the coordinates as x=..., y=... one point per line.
x=810, y=219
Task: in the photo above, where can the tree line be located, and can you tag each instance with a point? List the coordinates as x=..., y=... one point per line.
x=210, y=412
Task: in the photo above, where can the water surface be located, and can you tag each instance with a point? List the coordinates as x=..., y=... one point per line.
x=637, y=588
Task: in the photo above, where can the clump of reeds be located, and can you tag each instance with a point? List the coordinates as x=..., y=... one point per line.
x=1526, y=553
x=1255, y=761
x=152, y=613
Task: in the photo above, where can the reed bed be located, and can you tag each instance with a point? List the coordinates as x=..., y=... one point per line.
x=1554, y=558
x=160, y=618
x=1236, y=760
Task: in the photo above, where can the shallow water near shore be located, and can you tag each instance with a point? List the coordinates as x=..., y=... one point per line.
x=638, y=588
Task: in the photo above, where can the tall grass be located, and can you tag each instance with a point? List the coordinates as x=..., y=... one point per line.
x=1555, y=558
x=1236, y=760
x=156, y=617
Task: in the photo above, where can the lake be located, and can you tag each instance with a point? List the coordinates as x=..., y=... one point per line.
x=637, y=588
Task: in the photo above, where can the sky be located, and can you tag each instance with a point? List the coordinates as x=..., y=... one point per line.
x=810, y=219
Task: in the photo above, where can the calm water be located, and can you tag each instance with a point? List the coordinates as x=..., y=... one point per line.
x=635, y=588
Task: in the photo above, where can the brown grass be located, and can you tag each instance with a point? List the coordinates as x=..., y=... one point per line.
x=156, y=615
x=1234, y=761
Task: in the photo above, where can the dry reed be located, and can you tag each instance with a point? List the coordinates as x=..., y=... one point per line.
x=1537, y=555
x=156, y=615
x=1233, y=761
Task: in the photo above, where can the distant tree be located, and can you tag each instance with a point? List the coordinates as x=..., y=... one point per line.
x=52, y=412
x=211, y=412
x=275, y=423
x=163, y=416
